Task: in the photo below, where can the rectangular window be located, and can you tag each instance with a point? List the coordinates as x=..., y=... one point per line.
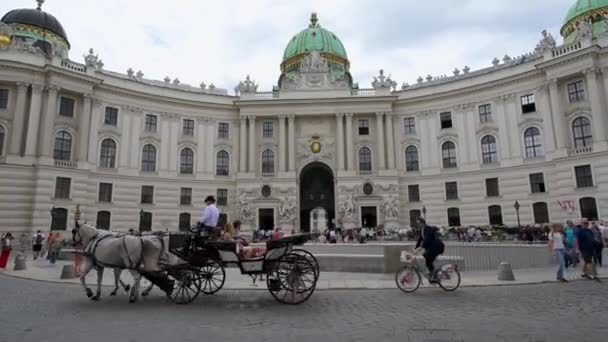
x=492, y=189
x=537, y=183
x=363, y=127
x=111, y=117
x=485, y=113
x=409, y=126
x=105, y=192
x=62, y=188
x=147, y=194
x=185, y=197
x=188, y=128
x=576, y=92
x=413, y=192
x=446, y=120
x=267, y=129
x=222, y=197
x=451, y=190
x=150, y=123
x=3, y=98
x=66, y=107
x=453, y=217
x=223, y=130
x=584, y=178
x=528, y=104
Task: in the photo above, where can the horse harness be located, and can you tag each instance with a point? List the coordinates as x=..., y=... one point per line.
x=91, y=248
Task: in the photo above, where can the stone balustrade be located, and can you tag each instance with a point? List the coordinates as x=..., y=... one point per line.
x=580, y=150
x=566, y=49
x=67, y=64
x=66, y=164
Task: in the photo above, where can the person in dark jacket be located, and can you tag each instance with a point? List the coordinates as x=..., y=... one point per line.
x=433, y=246
x=587, y=246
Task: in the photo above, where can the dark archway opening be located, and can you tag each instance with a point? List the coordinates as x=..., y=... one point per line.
x=316, y=190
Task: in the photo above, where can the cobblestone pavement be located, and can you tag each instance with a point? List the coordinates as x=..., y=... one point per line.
x=40, y=312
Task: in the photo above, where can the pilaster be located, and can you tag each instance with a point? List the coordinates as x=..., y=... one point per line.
x=243, y=146
x=18, y=126
x=292, y=142
x=33, y=121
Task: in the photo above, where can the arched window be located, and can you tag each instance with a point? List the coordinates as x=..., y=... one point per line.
x=411, y=159
x=488, y=150
x=186, y=161
x=145, y=222
x=448, y=153
x=365, y=160
x=103, y=220
x=495, y=215
x=588, y=208
x=148, y=158
x=533, y=143
x=541, y=212
x=2, y=135
x=581, y=130
x=222, y=164
x=268, y=162
x=59, y=219
x=184, y=222
x=63, y=146
x=107, y=157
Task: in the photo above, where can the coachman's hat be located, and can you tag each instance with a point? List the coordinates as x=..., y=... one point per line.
x=210, y=199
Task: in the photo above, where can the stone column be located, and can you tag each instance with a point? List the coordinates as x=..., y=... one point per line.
x=499, y=115
x=545, y=109
x=292, y=142
x=210, y=147
x=83, y=128
x=33, y=121
x=350, y=165
x=597, y=105
x=96, y=115
x=390, y=141
x=380, y=138
x=243, y=146
x=463, y=147
x=234, y=130
x=48, y=122
x=471, y=135
x=252, y=148
x=16, y=145
x=174, y=158
x=282, y=142
x=201, y=155
x=512, y=120
x=559, y=120
x=340, y=142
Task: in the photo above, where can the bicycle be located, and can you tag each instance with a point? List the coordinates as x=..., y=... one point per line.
x=408, y=278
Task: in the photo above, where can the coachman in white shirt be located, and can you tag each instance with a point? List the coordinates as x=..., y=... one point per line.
x=210, y=215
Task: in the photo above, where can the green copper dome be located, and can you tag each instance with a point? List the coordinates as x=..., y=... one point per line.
x=314, y=38
x=591, y=10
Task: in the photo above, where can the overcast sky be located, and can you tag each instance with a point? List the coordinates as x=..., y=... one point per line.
x=221, y=42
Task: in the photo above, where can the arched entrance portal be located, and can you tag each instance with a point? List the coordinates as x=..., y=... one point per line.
x=316, y=191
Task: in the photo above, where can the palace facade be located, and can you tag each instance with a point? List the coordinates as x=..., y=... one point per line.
x=316, y=150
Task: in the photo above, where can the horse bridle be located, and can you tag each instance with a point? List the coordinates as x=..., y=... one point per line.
x=76, y=231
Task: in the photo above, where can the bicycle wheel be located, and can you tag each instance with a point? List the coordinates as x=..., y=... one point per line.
x=448, y=277
x=408, y=279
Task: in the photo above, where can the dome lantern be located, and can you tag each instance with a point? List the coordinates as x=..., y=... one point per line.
x=594, y=12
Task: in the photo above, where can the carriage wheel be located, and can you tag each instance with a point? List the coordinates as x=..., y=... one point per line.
x=186, y=286
x=311, y=258
x=212, y=277
x=293, y=280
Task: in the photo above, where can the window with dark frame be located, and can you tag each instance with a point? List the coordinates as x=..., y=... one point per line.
x=267, y=129
x=541, y=212
x=107, y=155
x=66, y=107
x=105, y=193
x=451, y=190
x=186, y=161
x=150, y=123
x=409, y=126
x=533, y=143
x=528, y=104
x=363, y=127
x=2, y=136
x=489, y=153
x=413, y=192
x=111, y=116
x=365, y=159
x=537, y=183
x=223, y=130
x=63, y=146
x=148, y=158
x=4, y=98
x=415, y=214
x=448, y=153
x=581, y=131
x=584, y=176
x=411, y=159
x=103, y=220
x=222, y=164
x=62, y=188
x=147, y=194
x=446, y=120
x=495, y=215
x=145, y=222
x=188, y=127
x=268, y=162
x=222, y=197
x=453, y=217
x=184, y=222
x=492, y=189
x=185, y=196
x=576, y=92
x=485, y=113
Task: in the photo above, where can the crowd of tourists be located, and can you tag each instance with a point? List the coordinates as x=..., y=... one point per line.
x=42, y=246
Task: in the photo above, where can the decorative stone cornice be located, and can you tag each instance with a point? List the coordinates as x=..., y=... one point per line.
x=291, y=116
x=22, y=85
x=53, y=88
x=379, y=114
x=37, y=89
x=132, y=109
x=203, y=120
x=348, y=115
x=282, y=116
x=87, y=97
x=465, y=107
x=340, y=115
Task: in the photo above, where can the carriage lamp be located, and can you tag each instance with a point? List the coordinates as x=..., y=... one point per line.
x=516, y=206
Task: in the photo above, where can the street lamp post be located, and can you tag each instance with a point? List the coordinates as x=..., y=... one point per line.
x=424, y=212
x=516, y=205
x=52, y=218
x=141, y=218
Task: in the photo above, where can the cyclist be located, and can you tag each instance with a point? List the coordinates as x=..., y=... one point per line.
x=433, y=246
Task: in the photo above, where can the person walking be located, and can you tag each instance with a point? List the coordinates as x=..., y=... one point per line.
x=55, y=246
x=557, y=247
x=37, y=241
x=571, y=251
x=6, y=249
x=599, y=245
x=586, y=244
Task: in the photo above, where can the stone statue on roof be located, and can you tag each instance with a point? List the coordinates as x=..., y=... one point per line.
x=547, y=42
x=584, y=31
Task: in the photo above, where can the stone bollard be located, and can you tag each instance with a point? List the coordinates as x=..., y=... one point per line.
x=20, y=263
x=68, y=272
x=505, y=272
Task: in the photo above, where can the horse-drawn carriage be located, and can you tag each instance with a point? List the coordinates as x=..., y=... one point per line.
x=291, y=274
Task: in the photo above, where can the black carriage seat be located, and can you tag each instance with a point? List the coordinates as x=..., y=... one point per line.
x=296, y=239
x=228, y=246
